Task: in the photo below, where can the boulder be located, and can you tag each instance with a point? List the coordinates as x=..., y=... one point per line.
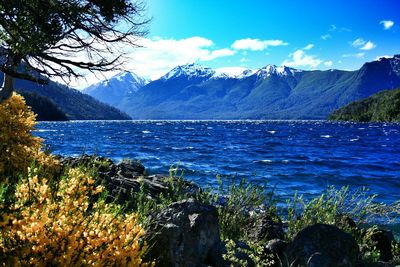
x=128, y=177
x=275, y=251
x=264, y=227
x=322, y=245
x=381, y=240
x=129, y=168
x=185, y=233
x=346, y=223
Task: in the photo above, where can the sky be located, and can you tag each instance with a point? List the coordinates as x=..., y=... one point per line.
x=233, y=35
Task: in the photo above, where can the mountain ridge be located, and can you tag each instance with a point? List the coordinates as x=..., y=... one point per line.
x=71, y=102
x=192, y=91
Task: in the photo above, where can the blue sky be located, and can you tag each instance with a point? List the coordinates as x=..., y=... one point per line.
x=231, y=35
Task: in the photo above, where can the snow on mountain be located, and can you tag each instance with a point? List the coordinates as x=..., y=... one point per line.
x=189, y=70
x=395, y=63
x=232, y=73
x=269, y=70
x=127, y=79
x=195, y=70
x=112, y=90
x=246, y=73
x=124, y=79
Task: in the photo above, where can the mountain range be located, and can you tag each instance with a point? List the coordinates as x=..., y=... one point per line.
x=195, y=92
x=65, y=102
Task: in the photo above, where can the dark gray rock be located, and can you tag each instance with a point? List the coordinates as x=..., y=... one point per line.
x=264, y=227
x=344, y=222
x=185, y=233
x=323, y=246
x=128, y=177
x=380, y=240
x=275, y=250
x=276, y=246
x=129, y=168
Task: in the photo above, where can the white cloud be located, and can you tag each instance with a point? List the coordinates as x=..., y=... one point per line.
x=157, y=56
x=387, y=24
x=358, y=55
x=328, y=63
x=300, y=59
x=358, y=42
x=326, y=37
x=308, y=47
x=362, y=44
x=256, y=44
x=368, y=46
x=225, y=52
x=334, y=28
x=243, y=59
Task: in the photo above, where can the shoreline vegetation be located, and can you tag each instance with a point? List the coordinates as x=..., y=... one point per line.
x=380, y=107
x=89, y=210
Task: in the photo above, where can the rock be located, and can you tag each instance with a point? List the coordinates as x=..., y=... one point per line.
x=185, y=233
x=275, y=250
x=276, y=246
x=344, y=222
x=323, y=246
x=264, y=227
x=128, y=177
x=380, y=240
x=130, y=168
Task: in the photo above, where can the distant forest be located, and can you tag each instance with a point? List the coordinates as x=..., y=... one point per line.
x=381, y=107
x=45, y=109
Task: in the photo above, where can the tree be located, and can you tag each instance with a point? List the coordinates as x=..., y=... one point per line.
x=41, y=39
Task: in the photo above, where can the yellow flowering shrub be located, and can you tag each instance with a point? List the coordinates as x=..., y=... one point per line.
x=18, y=148
x=65, y=228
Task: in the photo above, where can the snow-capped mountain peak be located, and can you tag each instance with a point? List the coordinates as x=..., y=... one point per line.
x=112, y=90
x=189, y=70
x=232, y=73
x=130, y=77
x=246, y=73
x=269, y=70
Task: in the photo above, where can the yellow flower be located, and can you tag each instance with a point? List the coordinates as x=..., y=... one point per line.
x=52, y=232
x=19, y=148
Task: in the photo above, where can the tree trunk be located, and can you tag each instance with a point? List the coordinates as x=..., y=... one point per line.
x=7, y=88
x=8, y=81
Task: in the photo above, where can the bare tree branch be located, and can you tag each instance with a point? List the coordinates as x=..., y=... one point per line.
x=47, y=36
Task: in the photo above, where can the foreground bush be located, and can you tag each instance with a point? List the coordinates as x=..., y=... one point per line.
x=329, y=206
x=18, y=148
x=64, y=227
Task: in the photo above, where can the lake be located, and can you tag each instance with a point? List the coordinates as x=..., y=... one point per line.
x=292, y=156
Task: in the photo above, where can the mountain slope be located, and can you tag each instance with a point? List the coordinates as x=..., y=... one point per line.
x=195, y=92
x=75, y=105
x=45, y=109
x=383, y=106
x=118, y=87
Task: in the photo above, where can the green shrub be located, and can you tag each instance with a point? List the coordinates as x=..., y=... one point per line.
x=255, y=254
x=358, y=205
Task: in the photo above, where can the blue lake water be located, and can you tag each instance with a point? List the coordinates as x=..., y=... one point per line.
x=302, y=156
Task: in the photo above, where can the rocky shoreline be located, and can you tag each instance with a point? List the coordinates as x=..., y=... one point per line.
x=187, y=233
